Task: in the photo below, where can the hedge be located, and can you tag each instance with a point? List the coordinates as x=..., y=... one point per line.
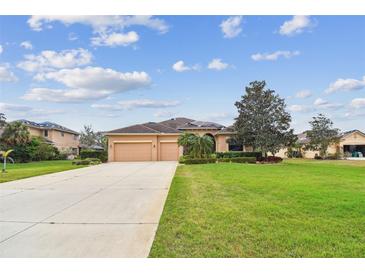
x=251, y=160
x=235, y=154
x=102, y=155
x=199, y=161
x=223, y=160
x=87, y=161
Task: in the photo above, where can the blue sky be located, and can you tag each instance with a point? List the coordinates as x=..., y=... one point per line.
x=115, y=71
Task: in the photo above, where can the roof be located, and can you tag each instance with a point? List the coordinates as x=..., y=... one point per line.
x=176, y=122
x=352, y=131
x=147, y=128
x=201, y=125
x=48, y=125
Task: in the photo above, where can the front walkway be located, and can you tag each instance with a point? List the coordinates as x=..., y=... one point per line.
x=109, y=210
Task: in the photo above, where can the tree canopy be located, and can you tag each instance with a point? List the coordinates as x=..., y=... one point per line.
x=90, y=138
x=2, y=120
x=262, y=122
x=322, y=134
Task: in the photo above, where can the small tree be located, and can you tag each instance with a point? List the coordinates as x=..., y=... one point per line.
x=90, y=138
x=5, y=155
x=2, y=120
x=263, y=122
x=322, y=134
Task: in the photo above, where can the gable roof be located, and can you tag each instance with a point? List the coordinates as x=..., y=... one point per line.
x=47, y=125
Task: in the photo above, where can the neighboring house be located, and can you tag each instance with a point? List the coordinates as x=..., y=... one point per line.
x=66, y=140
x=158, y=141
x=350, y=144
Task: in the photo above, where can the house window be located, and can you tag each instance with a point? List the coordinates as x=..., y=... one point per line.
x=62, y=134
x=46, y=133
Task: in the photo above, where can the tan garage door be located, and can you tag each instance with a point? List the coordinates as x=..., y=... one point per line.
x=130, y=152
x=169, y=152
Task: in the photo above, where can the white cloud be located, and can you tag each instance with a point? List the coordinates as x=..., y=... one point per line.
x=49, y=59
x=358, y=103
x=275, y=55
x=217, y=64
x=23, y=110
x=303, y=94
x=1, y=49
x=4, y=107
x=88, y=83
x=180, y=66
x=320, y=103
x=72, y=36
x=6, y=75
x=115, y=39
x=296, y=25
x=231, y=27
x=26, y=45
x=346, y=85
x=100, y=23
x=140, y=103
x=299, y=108
x=164, y=114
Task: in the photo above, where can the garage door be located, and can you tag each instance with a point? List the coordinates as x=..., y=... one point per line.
x=169, y=152
x=130, y=152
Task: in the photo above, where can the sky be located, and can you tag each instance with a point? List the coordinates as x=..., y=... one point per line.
x=115, y=71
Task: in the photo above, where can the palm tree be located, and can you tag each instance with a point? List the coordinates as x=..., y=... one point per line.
x=15, y=133
x=5, y=155
x=185, y=140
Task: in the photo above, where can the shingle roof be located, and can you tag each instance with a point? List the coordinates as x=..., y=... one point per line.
x=176, y=122
x=352, y=131
x=201, y=125
x=150, y=127
x=48, y=125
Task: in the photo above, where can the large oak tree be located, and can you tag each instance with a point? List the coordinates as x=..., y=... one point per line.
x=263, y=123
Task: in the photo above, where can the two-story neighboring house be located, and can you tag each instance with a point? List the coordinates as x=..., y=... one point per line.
x=66, y=140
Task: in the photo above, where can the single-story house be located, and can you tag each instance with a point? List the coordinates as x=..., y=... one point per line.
x=351, y=144
x=158, y=141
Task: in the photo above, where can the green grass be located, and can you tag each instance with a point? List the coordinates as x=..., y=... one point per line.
x=299, y=208
x=20, y=171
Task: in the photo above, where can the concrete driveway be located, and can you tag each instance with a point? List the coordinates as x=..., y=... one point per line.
x=109, y=210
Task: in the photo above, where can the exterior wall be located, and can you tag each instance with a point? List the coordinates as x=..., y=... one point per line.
x=65, y=142
x=354, y=138
x=154, y=139
x=221, y=143
x=35, y=131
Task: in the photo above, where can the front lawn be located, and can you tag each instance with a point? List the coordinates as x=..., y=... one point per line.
x=20, y=171
x=299, y=208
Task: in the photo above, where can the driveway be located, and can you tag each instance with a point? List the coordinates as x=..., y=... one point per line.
x=108, y=210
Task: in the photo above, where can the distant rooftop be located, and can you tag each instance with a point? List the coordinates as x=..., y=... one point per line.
x=47, y=125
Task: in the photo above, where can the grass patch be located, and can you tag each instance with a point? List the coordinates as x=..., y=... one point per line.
x=299, y=208
x=20, y=171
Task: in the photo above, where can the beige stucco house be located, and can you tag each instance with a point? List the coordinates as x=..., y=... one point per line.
x=350, y=142
x=66, y=140
x=158, y=141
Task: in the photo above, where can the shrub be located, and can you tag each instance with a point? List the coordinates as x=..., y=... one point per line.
x=224, y=160
x=199, y=161
x=235, y=154
x=87, y=161
x=334, y=156
x=251, y=160
x=182, y=159
x=317, y=157
x=61, y=156
x=273, y=159
x=102, y=155
x=44, y=152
